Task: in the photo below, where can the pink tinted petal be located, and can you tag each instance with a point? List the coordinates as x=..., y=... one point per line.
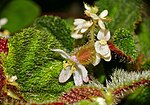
x=100, y=35
x=107, y=37
x=77, y=78
x=84, y=72
x=62, y=53
x=103, y=14
x=97, y=60
x=101, y=24
x=65, y=74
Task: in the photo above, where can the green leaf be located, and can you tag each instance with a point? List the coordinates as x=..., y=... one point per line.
x=58, y=28
x=20, y=13
x=35, y=65
x=124, y=41
x=124, y=13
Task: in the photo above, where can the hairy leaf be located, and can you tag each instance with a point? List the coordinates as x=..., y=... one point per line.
x=36, y=66
x=57, y=27
x=124, y=41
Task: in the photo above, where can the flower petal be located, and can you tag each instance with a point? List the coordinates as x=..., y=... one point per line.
x=84, y=30
x=97, y=46
x=87, y=24
x=13, y=79
x=77, y=78
x=107, y=59
x=107, y=37
x=3, y=21
x=100, y=100
x=101, y=24
x=108, y=56
x=62, y=53
x=103, y=14
x=94, y=16
x=65, y=74
x=78, y=27
x=84, y=72
x=100, y=35
x=78, y=21
x=97, y=60
x=102, y=50
x=76, y=36
x=87, y=7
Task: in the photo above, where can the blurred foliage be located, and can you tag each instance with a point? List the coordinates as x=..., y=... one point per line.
x=144, y=37
x=36, y=67
x=124, y=13
x=20, y=14
x=140, y=97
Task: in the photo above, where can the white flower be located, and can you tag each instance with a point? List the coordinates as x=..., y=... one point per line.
x=3, y=21
x=91, y=12
x=102, y=17
x=72, y=66
x=100, y=100
x=81, y=26
x=101, y=45
x=12, y=79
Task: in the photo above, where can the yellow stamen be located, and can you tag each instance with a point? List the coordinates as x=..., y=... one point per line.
x=65, y=64
x=103, y=42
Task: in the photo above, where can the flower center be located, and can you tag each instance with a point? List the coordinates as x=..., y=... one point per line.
x=103, y=42
x=69, y=63
x=74, y=59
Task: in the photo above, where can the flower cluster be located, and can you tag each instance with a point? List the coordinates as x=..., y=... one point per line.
x=100, y=49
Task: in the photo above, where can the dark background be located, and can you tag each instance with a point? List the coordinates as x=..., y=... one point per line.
x=62, y=8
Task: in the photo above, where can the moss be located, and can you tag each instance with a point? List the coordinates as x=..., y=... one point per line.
x=35, y=65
